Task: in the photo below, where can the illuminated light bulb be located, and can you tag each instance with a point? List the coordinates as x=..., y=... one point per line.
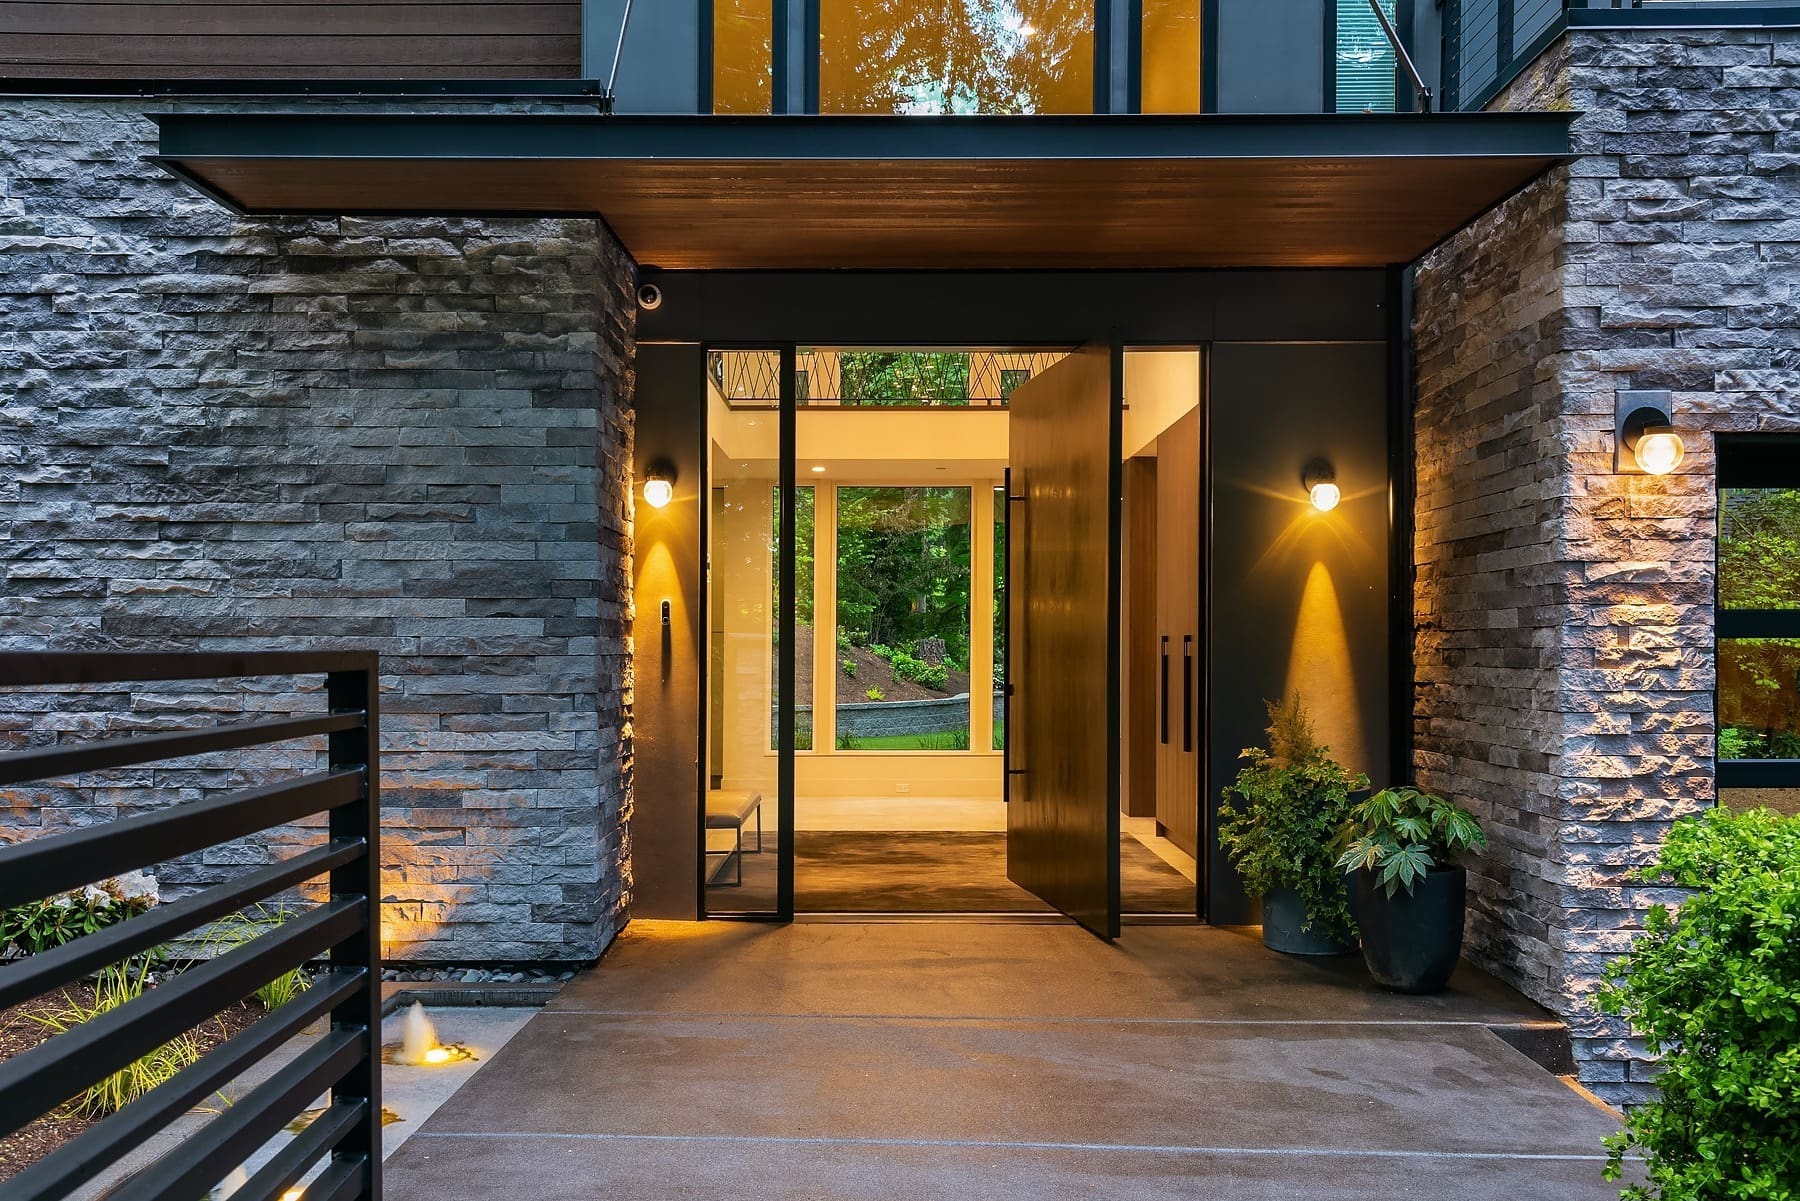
x=1325, y=496
x=1659, y=450
x=658, y=491
x=818, y=469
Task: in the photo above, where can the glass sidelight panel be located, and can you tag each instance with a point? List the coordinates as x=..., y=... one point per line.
x=1364, y=65
x=743, y=58
x=742, y=832
x=1759, y=602
x=1172, y=39
x=903, y=610
x=956, y=56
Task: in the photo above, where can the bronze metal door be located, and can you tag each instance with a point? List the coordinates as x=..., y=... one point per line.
x=1062, y=837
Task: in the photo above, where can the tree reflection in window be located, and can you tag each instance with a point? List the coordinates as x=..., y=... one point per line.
x=956, y=56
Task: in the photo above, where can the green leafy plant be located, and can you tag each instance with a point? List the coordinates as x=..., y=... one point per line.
x=39, y=925
x=1292, y=800
x=849, y=667
x=1400, y=834
x=929, y=675
x=846, y=741
x=803, y=738
x=114, y=987
x=1714, y=989
x=874, y=694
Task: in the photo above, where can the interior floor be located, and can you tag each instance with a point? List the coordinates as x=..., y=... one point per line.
x=927, y=855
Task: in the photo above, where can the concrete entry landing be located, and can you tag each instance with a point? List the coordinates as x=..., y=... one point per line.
x=956, y=1060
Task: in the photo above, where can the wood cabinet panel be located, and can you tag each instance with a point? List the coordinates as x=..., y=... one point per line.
x=1178, y=630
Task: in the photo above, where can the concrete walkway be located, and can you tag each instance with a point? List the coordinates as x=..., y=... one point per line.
x=959, y=1060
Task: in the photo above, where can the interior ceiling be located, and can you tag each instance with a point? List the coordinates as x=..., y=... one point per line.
x=708, y=193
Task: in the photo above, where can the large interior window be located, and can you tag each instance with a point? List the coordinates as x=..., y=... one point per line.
x=956, y=56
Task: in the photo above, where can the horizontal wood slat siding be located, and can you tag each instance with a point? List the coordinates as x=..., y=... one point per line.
x=497, y=39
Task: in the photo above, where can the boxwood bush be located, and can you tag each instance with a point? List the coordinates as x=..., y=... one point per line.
x=1714, y=988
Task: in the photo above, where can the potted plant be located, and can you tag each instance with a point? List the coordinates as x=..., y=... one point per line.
x=1409, y=892
x=1292, y=800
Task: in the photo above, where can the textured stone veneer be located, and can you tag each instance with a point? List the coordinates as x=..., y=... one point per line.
x=406, y=435
x=1564, y=613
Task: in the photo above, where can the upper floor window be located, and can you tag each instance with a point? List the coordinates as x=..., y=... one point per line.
x=743, y=61
x=1363, y=63
x=956, y=56
x=1173, y=41
x=1758, y=617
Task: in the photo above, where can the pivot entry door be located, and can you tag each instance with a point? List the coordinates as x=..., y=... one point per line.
x=1062, y=836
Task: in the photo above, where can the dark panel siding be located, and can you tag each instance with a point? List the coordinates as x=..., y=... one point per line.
x=495, y=39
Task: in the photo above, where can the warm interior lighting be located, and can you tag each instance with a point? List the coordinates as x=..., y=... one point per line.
x=659, y=485
x=1320, y=482
x=818, y=469
x=1659, y=450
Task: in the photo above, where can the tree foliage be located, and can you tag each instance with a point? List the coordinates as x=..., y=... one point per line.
x=903, y=568
x=1714, y=988
x=1295, y=799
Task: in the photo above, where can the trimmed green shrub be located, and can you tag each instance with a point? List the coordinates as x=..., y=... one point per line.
x=1295, y=802
x=1714, y=989
x=927, y=675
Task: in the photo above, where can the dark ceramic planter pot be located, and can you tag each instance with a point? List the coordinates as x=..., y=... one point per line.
x=1412, y=942
x=1283, y=916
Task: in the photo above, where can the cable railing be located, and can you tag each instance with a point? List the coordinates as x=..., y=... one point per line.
x=339, y=1148
x=1488, y=42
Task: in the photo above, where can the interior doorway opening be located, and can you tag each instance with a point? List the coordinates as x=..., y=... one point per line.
x=872, y=484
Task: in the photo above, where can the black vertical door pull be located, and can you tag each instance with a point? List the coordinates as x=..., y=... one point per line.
x=1187, y=692
x=1162, y=712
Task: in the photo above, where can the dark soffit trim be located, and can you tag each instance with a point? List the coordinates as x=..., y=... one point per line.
x=734, y=138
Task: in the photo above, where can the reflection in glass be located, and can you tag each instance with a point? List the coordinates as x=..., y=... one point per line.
x=742, y=650
x=956, y=56
x=1759, y=698
x=1759, y=548
x=803, y=619
x=903, y=611
x=1172, y=33
x=743, y=64
x=854, y=378
x=1365, y=60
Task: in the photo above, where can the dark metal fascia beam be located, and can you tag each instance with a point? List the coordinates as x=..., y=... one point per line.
x=583, y=90
x=1707, y=16
x=569, y=137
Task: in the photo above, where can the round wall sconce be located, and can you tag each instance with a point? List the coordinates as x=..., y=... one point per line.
x=1647, y=438
x=659, y=484
x=1320, y=482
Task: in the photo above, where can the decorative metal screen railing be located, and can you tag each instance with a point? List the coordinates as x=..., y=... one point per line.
x=1488, y=42
x=344, y=1140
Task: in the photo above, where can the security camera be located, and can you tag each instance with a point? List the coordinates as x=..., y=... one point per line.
x=649, y=297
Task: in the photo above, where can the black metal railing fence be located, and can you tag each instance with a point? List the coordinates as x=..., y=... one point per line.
x=344, y=929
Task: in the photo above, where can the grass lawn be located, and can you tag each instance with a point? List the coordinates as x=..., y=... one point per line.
x=914, y=742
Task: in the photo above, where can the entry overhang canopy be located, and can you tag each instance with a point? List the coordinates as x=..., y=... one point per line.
x=724, y=192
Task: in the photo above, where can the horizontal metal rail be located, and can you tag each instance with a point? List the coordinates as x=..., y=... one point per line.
x=38, y=974
x=43, y=763
x=343, y=1144
x=70, y=1062
x=29, y=870
x=73, y=1164
x=231, y=1138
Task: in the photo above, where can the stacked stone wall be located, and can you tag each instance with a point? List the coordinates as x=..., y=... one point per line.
x=411, y=436
x=1565, y=623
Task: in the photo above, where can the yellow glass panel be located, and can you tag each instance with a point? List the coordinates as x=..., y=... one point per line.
x=743, y=71
x=1172, y=35
x=956, y=56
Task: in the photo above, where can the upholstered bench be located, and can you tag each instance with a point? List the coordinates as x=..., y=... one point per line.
x=729, y=809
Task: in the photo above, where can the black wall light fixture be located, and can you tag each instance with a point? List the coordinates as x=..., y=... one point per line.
x=1645, y=440
x=1320, y=481
x=659, y=484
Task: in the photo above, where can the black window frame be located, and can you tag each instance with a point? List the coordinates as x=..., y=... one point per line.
x=1751, y=461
